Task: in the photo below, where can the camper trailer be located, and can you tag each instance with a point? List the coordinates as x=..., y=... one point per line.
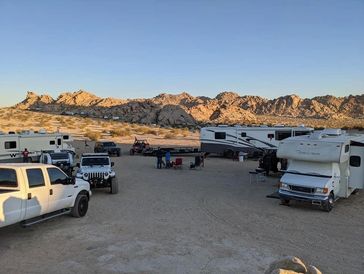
x=322, y=167
x=227, y=140
x=12, y=145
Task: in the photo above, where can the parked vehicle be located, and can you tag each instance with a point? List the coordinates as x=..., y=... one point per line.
x=96, y=168
x=107, y=147
x=12, y=145
x=30, y=193
x=228, y=141
x=322, y=167
x=64, y=159
x=139, y=146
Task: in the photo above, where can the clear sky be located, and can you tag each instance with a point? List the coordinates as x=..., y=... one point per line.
x=132, y=49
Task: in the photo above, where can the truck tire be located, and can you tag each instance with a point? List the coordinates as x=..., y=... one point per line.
x=114, y=186
x=118, y=153
x=80, y=207
x=329, y=204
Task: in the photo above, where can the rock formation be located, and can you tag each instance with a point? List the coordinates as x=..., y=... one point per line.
x=186, y=110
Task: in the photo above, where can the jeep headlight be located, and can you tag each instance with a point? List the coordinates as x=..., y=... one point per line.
x=322, y=190
x=284, y=186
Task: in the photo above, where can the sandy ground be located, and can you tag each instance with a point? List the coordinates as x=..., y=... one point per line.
x=188, y=221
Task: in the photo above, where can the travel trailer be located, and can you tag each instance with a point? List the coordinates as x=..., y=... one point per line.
x=12, y=145
x=322, y=167
x=227, y=140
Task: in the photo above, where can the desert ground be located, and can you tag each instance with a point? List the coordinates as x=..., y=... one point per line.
x=211, y=220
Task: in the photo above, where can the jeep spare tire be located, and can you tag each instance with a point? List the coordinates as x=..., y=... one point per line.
x=114, y=186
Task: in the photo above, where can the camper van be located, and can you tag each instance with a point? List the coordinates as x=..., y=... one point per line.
x=227, y=140
x=12, y=145
x=322, y=167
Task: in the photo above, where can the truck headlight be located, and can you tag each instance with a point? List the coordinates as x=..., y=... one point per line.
x=322, y=190
x=85, y=176
x=284, y=186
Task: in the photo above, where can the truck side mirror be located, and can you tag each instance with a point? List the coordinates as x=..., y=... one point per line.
x=70, y=181
x=112, y=163
x=78, y=165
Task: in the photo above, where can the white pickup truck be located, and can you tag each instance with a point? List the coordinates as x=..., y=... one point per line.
x=30, y=193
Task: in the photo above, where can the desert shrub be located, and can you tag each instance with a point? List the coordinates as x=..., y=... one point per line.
x=169, y=136
x=122, y=132
x=93, y=135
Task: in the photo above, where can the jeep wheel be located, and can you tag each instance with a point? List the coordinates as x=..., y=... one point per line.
x=114, y=186
x=80, y=207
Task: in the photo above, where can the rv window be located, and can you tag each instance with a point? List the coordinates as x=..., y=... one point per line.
x=280, y=135
x=347, y=148
x=52, y=142
x=270, y=135
x=8, y=178
x=56, y=176
x=35, y=177
x=243, y=134
x=299, y=133
x=59, y=142
x=355, y=161
x=220, y=135
x=66, y=137
x=10, y=145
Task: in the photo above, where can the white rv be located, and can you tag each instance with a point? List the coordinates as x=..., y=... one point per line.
x=228, y=140
x=322, y=167
x=12, y=145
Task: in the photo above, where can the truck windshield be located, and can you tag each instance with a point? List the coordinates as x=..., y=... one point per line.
x=59, y=156
x=109, y=144
x=95, y=161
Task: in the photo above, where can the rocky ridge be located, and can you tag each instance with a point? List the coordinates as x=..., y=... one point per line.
x=185, y=109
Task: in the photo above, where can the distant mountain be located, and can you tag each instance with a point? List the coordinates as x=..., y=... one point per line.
x=185, y=109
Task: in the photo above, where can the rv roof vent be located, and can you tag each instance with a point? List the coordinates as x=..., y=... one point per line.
x=279, y=125
x=332, y=131
x=42, y=131
x=316, y=135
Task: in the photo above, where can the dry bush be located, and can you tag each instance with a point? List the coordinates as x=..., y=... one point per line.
x=93, y=135
x=120, y=132
x=169, y=136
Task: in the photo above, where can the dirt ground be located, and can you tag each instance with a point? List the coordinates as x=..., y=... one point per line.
x=188, y=221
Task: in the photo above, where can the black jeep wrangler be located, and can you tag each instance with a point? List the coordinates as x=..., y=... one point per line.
x=107, y=147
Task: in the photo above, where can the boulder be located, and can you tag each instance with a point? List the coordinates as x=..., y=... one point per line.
x=288, y=263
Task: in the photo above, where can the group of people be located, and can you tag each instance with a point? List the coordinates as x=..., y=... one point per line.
x=167, y=155
x=199, y=160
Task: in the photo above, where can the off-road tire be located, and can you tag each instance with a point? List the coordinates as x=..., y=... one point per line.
x=329, y=204
x=114, y=186
x=80, y=207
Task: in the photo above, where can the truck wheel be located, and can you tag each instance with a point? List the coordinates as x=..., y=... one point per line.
x=114, y=186
x=329, y=204
x=285, y=202
x=80, y=207
x=118, y=153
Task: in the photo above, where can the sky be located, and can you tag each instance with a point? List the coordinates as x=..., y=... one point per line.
x=135, y=49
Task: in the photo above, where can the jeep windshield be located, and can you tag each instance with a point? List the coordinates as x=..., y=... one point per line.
x=109, y=144
x=95, y=161
x=59, y=156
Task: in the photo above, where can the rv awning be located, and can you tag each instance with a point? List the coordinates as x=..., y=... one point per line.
x=304, y=180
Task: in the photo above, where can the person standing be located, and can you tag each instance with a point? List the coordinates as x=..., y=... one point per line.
x=25, y=154
x=159, y=155
x=168, y=159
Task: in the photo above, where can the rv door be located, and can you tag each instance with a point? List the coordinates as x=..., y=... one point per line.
x=356, y=179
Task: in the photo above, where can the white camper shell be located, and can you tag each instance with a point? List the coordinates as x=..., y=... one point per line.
x=322, y=167
x=228, y=140
x=12, y=145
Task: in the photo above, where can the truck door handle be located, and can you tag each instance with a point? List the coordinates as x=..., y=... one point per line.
x=29, y=196
x=51, y=192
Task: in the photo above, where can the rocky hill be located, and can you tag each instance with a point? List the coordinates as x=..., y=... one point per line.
x=184, y=109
